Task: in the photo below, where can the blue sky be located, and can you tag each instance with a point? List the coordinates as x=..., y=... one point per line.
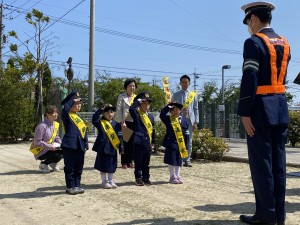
x=208, y=35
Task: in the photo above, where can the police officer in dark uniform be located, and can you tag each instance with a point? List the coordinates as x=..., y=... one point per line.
x=143, y=137
x=74, y=143
x=264, y=112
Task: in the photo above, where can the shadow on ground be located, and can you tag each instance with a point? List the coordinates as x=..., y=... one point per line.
x=243, y=208
x=170, y=220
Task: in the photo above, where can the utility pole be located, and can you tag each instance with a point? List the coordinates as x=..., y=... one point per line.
x=196, y=76
x=91, y=56
x=1, y=32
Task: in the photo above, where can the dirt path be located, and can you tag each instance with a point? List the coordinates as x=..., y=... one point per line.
x=213, y=194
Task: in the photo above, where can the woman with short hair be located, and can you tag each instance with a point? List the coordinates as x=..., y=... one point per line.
x=125, y=100
x=46, y=141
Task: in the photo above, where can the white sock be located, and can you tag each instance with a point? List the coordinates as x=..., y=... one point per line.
x=171, y=170
x=103, y=177
x=177, y=171
x=110, y=177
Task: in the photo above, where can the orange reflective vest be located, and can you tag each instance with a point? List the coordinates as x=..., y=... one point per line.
x=277, y=85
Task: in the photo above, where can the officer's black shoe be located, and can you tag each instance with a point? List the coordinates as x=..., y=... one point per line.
x=253, y=220
x=280, y=223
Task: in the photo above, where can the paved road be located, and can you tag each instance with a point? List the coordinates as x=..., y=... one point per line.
x=238, y=152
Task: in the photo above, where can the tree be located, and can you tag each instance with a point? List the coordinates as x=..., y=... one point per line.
x=108, y=89
x=38, y=55
x=16, y=114
x=208, y=90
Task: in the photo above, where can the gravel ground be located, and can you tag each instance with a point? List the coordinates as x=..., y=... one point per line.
x=212, y=194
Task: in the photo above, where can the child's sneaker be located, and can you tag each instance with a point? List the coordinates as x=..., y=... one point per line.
x=173, y=180
x=71, y=191
x=147, y=182
x=106, y=185
x=79, y=190
x=180, y=181
x=44, y=168
x=112, y=184
x=139, y=182
x=54, y=167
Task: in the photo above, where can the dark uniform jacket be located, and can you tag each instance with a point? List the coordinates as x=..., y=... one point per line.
x=264, y=109
x=170, y=138
x=72, y=138
x=140, y=135
x=102, y=143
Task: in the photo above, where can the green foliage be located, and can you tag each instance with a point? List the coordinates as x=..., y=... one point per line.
x=82, y=87
x=160, y=131
x=16, y=114
x=13, y=34
x=89, y=126
x=293, y=133
x=47, y=82
x=157, y=95
x=13, y=47
x=205, y=146
x=108, y=90
x=209, y=89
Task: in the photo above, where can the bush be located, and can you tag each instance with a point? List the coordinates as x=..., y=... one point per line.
x=160, y=131
x=205, y=146
x=293, y=133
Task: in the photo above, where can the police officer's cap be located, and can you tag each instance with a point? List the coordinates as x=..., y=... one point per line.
x=144, y=95
x=72, y=95
x=106, y=107
x=176, y=104
x=253, y=7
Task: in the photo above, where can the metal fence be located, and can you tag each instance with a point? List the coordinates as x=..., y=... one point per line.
x=211, y=118
x=88, y=117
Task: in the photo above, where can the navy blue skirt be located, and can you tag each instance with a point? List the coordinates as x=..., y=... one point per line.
x=106, y=163
x=172, y=157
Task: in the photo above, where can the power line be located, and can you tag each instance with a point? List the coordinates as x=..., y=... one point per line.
x=143, y=38
x=50, y=24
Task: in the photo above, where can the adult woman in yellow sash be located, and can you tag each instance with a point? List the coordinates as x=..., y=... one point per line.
x=142, y=137
x=46, y=141
x=176, y=139
x=74, y=143
x=125, y=100
x=107, y=144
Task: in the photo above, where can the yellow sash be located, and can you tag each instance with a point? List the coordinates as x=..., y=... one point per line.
x=189, y=99
x=79, y=123
x=111, y=134
x=179, y=136
x=37, y=150
x=130, y=103
x=147, y=123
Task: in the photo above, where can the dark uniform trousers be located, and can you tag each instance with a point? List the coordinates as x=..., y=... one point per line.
x=267, y=146
x=51, y=157
x=126, y=158
x=74, y=160
x=141, y=157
